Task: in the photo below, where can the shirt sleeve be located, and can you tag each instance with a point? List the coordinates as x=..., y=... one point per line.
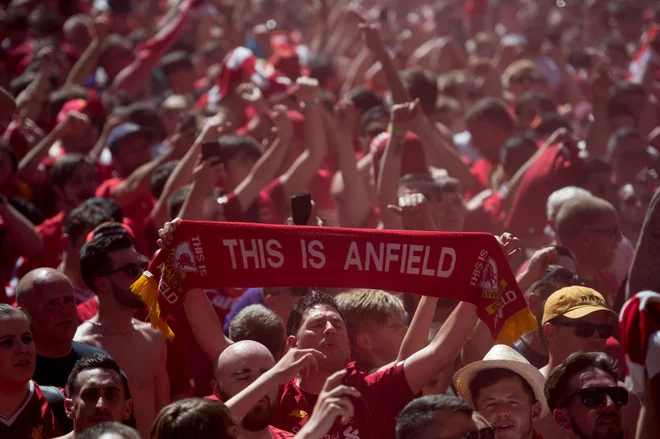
x=390, y=388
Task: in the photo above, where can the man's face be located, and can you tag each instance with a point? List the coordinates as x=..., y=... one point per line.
x=507, y=406
x=603, y=240
x=183, y=80
x=600, y=422
x=81, y=186
x=134, y=152
x=236, y=374
x=449, y=212
x=372, y=130
x=236, y=170
x=116, y=59
x=323, y=329
x=386, y=338
x=126, y=262
x=566, y=341
x=54, y=313
x=100, y=398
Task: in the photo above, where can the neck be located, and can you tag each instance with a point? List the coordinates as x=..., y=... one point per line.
x=12, y=398
x=51, y=348
x=113, y=316
x=554, y=361
x=533, y=341
x=263, y=434
x=313, y=383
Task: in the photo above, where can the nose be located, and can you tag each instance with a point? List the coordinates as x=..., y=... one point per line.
x=329, y=328
x=101, y=404
x=608, y=403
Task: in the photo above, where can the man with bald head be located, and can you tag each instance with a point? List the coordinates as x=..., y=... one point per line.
x=236, y=368
x=589, y=227
x=46, y=295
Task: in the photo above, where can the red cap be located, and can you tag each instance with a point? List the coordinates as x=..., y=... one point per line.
x=93, y=108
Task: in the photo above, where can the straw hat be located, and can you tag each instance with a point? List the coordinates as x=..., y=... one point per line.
x=502, y=357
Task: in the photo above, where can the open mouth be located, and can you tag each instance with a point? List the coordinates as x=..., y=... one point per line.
x=608, y=420
x=23, y=363
x=504, y=426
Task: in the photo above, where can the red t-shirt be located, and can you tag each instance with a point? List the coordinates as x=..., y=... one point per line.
x=384, y=395
x=480, y=170
x=320, y=189
x=135, y=214
x=33, y=420
x=51, y=255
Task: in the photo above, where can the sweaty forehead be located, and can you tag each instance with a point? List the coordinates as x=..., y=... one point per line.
x=592, y=377
x=243, y=356
x=320, y=312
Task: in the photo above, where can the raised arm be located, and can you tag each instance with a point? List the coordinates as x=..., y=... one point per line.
x=7, y=105
x=20, y=234
x=88, y=60
x=644, y=273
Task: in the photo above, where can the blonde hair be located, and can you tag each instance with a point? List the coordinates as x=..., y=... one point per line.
x=362, y=307
x=520, y=67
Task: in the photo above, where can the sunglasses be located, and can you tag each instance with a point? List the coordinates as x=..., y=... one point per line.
x=131, y=269
x=484, y=433
x=594, y=396
x=586, y=329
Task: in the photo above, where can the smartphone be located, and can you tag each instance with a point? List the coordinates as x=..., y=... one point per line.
x=211, y=149
x=301, y=208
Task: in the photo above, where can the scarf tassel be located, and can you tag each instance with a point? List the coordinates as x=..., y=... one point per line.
x=520, y=323
x=147, y=288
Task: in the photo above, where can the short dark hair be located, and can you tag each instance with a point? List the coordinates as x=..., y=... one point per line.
x=306, y=303
x=193, y=418
x=84, y=217
x=516, y=150
x=615, y=109
x=371, y=115
x=422, y=84
x=488, y=377
x=492, y=110
x=551, y=122
x=160, y=176
x=556, y=386
x=65, y=166
x=418, y=415
x=99, y=430
x=95, y=361
x=322, y=69
x=174, y=61
x=94, y=259
x=109, y=205
x=240, y=147
x=258, y=323
x=64, y=94
x=624, y=87
x=364, y=98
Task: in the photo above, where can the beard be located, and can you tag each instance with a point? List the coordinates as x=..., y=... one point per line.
x=579, y=434
x=258, y=418
x=126, y=298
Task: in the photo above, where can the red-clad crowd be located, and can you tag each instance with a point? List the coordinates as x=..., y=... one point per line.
x=534, y=121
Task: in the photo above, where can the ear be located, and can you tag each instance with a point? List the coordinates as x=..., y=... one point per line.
x=532, y=301
x=537, y=408
x=363, y=341
x=216, y=388
x=269, y=300
x=128, y=409
x=562, y=419
x=68, y=407
x=64, y=242
x=291, y=341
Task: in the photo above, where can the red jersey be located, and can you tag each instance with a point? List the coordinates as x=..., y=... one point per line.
x=135, y=214
x=384, y=395
x=51, y=255
x=33, y=420
x=320, y=189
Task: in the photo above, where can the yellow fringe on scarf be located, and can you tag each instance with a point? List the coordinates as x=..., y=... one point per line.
x=515, y=326
x=147, y=288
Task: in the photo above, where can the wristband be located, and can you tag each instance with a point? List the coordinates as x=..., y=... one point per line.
x=397, y=131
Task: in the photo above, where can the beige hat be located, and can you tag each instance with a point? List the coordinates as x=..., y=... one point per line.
x=502, y=357
x=574, y=302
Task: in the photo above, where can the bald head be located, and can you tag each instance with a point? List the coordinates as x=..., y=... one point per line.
x=579, y=213
x=35, y=286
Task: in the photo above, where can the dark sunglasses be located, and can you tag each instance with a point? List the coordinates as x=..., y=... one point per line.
x=594, y=396
x=586, y=329
x=484, y=433
x=131, y=269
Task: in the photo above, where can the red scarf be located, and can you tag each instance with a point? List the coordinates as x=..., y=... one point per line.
x=468, y=267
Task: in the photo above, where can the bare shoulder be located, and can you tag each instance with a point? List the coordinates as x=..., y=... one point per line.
x=151, y=335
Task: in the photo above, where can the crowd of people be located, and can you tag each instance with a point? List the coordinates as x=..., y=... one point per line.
x=518, y=118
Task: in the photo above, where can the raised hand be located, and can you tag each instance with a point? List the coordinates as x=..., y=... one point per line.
x=334, y=401
x=540, y=261
x=509, y=244
x=405, y=116
x=166, y=234
x=306, y=90
x=415, y=212
x=208, y=173
x=297, y=362
x=372, y=38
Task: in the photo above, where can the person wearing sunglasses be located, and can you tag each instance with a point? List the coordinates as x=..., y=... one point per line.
x=584, y=397
x=575, y=319
x=441, y=417
x=109, y=264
